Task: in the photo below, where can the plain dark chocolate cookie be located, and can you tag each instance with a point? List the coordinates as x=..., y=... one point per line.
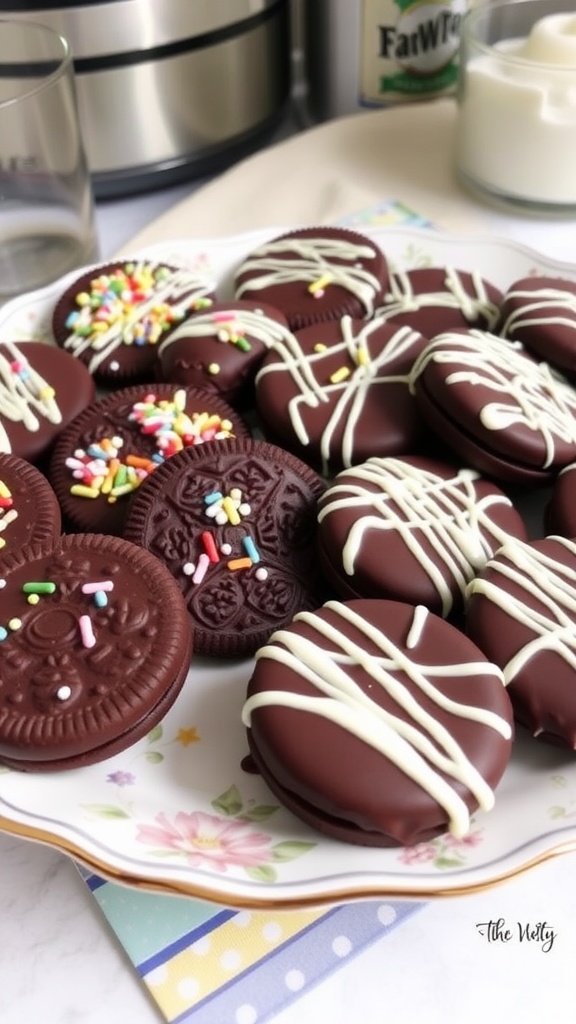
x=235, y=523
x=29, y=509
x=111, y=447
x=95, y=644
x=314, y=274
x=113, y=315
x=378, y=723
x=42, y=388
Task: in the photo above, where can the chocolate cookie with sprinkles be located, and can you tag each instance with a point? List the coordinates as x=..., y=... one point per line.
x=235, y=523
x=108, y=450
x=113, y=316
x=221, y=348
x=96, y=643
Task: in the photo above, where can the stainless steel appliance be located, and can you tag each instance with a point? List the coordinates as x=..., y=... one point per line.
x=171, y=89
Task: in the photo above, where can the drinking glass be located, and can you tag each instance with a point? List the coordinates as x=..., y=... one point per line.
x=46, y=203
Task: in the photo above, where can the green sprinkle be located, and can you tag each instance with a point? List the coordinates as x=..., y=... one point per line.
x=38, y=588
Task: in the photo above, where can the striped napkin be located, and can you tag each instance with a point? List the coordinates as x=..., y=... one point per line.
x=202, y=963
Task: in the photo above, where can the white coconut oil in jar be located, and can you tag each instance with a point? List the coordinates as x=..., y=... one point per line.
x=358, y=54
x=515, y=140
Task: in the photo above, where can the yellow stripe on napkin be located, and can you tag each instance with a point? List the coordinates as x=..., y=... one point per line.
x=220, y=956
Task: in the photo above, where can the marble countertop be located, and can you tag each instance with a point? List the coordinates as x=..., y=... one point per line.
x=61, y=964
x=464, y=958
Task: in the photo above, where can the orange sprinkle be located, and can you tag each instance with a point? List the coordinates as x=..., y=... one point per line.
x=239, y=563
x=140, y=462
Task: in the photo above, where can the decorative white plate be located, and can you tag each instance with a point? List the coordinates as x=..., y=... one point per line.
x=178, y=813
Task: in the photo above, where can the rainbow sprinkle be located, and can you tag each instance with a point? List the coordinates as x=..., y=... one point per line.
x=225, y=509
x=123, y=300
x=100, y=469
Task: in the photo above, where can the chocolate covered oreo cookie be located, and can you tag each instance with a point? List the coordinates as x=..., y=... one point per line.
x=378, y=723
x=521, y=612
x=540, y=312
x=221, y=348
x=415, y=530
x=504, y=413
x=118, y=441
x=235, y=523
x=338, y=393
x=436, y=299
x=42, y=389
x=560, y=511
x=113, y=315
x=315, y=273
x=29, y=509
x=95, y=644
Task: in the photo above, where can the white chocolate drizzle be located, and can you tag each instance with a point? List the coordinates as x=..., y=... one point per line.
x=310, y=260
x=403, y=299
x=421, y=746
x=349, y=393
x=260, y=327
x=526, y=393
x=533, y=311
x=427, y=511
x=544, y=580
x=25, y=396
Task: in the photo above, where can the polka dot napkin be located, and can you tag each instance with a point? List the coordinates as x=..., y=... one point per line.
x=203, y=963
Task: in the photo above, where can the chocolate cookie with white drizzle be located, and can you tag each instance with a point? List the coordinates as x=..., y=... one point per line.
x=338, y=393
x=413, y=529
x=435, y=299
x=378, y=723
x=521, y=611
x=42, y=389
x=502, y=411
x=314, y=274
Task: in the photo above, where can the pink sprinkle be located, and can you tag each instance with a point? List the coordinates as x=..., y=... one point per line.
x=202, y=566
x=92, y=588
x=86, y=631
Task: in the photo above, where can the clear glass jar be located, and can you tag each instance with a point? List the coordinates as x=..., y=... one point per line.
x=515, y=140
